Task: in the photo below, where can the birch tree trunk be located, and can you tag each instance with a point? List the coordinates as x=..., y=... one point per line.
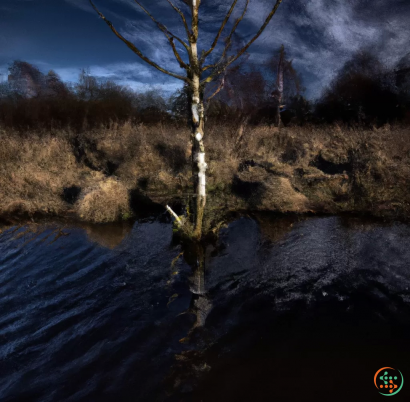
x=198, y=155
x=280, y=83
x=197, y=133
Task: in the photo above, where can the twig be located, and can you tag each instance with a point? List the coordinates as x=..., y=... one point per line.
x=177, y=218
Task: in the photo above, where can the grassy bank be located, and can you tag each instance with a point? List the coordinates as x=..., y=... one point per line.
x=103, y=175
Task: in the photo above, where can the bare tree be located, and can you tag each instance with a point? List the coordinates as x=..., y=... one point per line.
x=279, y=82
x=197, y=75
x=25, y=79
x=284, y=73
x=244, y=90
x=87, y=87
x=54, y=86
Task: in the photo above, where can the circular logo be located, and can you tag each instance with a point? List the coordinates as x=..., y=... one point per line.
x=388, y=381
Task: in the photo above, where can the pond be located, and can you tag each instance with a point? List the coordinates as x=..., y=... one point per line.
x=280, y=308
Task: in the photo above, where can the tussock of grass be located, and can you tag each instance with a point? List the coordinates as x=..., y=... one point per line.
x=33, y=172
x=107, y=202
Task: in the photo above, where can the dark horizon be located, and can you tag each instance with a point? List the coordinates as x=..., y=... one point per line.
x=319, y=36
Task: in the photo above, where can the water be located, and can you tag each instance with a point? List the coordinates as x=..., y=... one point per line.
x=283, y=309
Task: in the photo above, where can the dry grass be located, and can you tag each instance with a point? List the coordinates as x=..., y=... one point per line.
x=35, y=170
x=106, y=202
x=33, y=173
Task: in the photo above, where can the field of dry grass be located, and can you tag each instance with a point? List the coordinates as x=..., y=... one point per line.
x=92, y=176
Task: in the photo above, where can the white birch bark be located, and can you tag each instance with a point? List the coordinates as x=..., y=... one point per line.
x=197, y=134
x=280, y=83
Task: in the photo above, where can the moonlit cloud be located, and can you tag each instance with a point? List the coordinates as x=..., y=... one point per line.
x=319, y=35
x=81, y=4
x=134, y=75
x=3, y=73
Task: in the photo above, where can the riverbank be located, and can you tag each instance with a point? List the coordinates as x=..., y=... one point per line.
x=118, y=172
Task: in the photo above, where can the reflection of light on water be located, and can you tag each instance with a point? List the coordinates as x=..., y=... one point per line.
x=190, y=365
x=362, y=223
x=200, y=304
x=274, y=227
x=33, y=231
x=106, y=235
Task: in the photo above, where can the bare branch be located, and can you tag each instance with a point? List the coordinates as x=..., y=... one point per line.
x=162, y=27
x=222, y=66
x=182, y=64
x=229, y=38
x=177, y=218
x=182, y=17
x=135, y=49
x=218, y=35
x=220, y=87
x=208, y=67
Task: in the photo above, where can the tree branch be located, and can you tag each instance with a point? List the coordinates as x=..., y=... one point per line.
x=222, y=66
x=135, y=49
x=215, y=42
x=208, y=67
x=162, y=27
x=220, y=87
x=229, y=38
x=182, y=64
x=182, y=17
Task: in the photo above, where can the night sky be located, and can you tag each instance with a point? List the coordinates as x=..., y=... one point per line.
x=319, y=35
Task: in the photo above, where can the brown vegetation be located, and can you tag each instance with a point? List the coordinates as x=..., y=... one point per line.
x=93, y=176
x=107, y=201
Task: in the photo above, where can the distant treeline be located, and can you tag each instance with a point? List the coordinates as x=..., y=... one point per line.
x=364, y=92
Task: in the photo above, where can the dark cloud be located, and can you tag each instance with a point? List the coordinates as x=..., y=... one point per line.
x=320, y=35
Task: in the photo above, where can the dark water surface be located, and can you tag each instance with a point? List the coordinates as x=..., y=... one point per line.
x=284, y=310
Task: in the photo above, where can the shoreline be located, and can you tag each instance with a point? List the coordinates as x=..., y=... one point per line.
x=71, y=219
x=318, y=170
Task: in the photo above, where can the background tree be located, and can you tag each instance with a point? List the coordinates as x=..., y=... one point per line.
x=402, y=83
x=87, y=87
x=259, y=93
x=363, y=92
x=25, y=79
x=54, y=86
x=239, y=97
x=285, y=81
x=180, y=105
x=197, y=75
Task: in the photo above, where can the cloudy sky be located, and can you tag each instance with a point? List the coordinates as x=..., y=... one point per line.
x=319, y=35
